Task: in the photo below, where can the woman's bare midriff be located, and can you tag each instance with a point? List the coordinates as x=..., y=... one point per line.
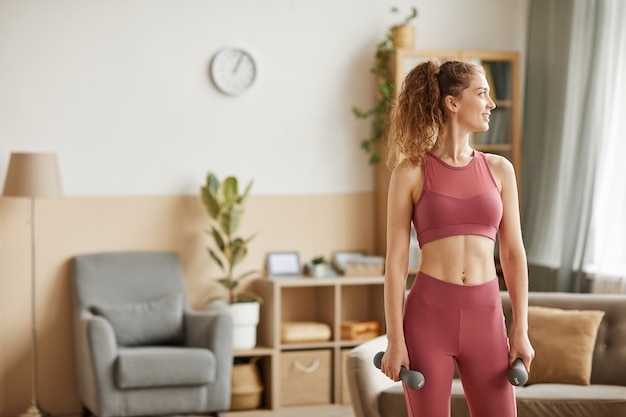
x=463, y=260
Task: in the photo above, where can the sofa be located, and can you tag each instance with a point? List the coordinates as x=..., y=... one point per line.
x=601, y=394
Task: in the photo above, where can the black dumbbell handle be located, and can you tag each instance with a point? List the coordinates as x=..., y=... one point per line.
x=517, y=374
x=413, y=379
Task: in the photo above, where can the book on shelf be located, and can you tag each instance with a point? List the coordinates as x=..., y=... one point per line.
x=489, y=77
x=499, y=78
x=499, y=128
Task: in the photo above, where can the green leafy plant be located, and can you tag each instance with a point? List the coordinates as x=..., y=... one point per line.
x=384, y=90
x=318, y=260
x=408, y=19
x=225, y=206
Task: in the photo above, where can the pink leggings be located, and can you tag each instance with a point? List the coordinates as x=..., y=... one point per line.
x=444, y=323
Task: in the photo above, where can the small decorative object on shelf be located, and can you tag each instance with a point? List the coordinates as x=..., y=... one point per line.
x=365, y=266
x=283, y=264
x=304, y=332
x=359, y=330
x=319, y=267
x=341, y=259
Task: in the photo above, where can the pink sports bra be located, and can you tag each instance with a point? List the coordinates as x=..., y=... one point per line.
x=457, y=200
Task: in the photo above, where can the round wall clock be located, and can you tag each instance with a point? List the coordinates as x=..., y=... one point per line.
x=233, y=70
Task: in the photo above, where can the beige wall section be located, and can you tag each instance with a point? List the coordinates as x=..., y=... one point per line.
x=309, y=224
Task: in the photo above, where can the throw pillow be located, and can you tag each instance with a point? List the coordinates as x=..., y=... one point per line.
x=564, y=341
x=153, y=322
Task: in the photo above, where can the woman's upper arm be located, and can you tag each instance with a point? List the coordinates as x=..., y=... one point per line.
x=510, y=232
x=404, y=186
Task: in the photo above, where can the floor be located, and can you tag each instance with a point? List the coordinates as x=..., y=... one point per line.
x=311, y=411
x=331, y=410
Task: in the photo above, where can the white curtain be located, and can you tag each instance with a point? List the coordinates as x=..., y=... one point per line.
x=574, y=185
x=607, y=252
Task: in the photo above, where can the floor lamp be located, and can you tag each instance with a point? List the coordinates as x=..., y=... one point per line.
x=33, y=175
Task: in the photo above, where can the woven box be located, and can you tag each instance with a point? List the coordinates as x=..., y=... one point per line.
x=304, y=332
x=305, y=377
x=364, y=266
x=359, y=330
x=246, y=388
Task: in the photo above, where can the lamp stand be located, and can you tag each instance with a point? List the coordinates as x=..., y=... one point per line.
x=34, y=410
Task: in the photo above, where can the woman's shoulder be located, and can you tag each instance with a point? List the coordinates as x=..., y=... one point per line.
x=407, y=172
x=502, y=169
x=408, y=167
x=498, y=162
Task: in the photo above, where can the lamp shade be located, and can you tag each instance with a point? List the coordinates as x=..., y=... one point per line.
x=33, y=175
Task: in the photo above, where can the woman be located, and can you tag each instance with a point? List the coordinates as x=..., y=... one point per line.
x=458, y=200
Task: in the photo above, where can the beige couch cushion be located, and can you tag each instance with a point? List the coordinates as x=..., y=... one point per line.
x=563, y=341
x=540, y=400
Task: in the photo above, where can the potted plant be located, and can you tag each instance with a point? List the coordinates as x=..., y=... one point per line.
x=318, y=266
x=401, y=35
x=225, y=206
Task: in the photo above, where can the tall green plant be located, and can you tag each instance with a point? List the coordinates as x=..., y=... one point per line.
x=225, y=206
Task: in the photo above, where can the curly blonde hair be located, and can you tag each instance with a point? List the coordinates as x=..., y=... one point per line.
x=418, y=116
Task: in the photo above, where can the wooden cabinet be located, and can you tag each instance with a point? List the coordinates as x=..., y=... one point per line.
x=504, y=133
x=322, y=300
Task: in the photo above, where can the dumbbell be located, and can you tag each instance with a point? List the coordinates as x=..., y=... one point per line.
x=518, y=374
x=413, y=379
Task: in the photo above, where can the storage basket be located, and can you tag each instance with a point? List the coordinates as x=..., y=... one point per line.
x=247, y=388
x=305, y=377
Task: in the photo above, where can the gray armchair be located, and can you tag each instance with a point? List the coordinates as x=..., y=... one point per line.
x=139, y=348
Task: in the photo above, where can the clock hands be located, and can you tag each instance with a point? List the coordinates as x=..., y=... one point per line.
x=238, y=63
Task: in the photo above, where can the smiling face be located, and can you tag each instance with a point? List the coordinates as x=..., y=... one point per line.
x=474, y=105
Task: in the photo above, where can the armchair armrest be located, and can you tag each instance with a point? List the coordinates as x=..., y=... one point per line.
x=364, y=380
x=212, y=329
x=96, y=352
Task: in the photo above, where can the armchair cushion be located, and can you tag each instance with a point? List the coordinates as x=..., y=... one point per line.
x=158, y=321
x=152, y=367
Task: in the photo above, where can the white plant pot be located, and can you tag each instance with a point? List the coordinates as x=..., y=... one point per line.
x=245, y=321
x=319, y=270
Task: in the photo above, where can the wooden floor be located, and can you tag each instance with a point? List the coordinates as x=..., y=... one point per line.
x=311, y=411
x=331, y=410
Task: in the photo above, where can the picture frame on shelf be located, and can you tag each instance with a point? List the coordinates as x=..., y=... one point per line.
x=283, y=264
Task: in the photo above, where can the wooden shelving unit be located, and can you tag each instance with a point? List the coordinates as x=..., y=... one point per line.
x=323, y=300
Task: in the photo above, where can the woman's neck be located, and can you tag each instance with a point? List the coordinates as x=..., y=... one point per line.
x=454, y=149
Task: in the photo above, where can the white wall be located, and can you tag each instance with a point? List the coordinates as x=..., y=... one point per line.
x=120, y=88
